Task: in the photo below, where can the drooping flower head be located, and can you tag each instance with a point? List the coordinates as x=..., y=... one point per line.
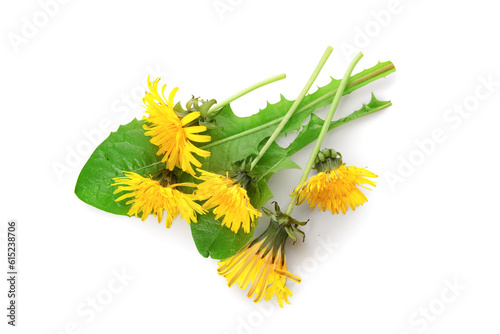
x=228, y=198
x=263, y=263
x=335, y=187
x=173, y=133
x=151, y=196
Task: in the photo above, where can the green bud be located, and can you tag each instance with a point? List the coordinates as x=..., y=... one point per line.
x=327, y=160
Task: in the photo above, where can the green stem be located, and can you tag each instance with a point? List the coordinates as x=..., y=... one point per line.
x=297, y=102
x=246, y=91
x=324, y=129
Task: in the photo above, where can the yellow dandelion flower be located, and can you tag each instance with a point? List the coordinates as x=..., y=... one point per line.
x=229, y=200
x=263, y=262
x=149, y=196
x=172, y=134
x=335, y=190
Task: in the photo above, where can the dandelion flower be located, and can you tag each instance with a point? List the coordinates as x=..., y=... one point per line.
x=263, y=262
x=335, y=187
x=174, y=135
x=150, y=196
x=229, y=200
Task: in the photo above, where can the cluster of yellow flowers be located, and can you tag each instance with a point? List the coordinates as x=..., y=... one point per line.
x=262, y=261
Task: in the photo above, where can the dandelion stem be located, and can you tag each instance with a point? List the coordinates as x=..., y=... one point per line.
x=295, y=105
x=324, y=129
x=246, y=91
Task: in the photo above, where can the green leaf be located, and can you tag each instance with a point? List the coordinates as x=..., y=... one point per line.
x=212, y=239
x=127, y=149
x=239, y=137
x=311, y=131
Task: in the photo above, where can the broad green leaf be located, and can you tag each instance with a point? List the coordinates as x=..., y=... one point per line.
x=127, y=149
x=212, y=239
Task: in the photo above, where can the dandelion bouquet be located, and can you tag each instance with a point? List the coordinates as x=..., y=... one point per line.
x=203, y=163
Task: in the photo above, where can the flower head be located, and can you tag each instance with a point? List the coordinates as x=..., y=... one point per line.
x=335, y=187
x=263, y=262
x=150, y=196
x=229, y=199
x=173, y=134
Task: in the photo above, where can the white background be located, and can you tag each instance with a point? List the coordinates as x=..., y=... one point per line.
x=395, y=257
